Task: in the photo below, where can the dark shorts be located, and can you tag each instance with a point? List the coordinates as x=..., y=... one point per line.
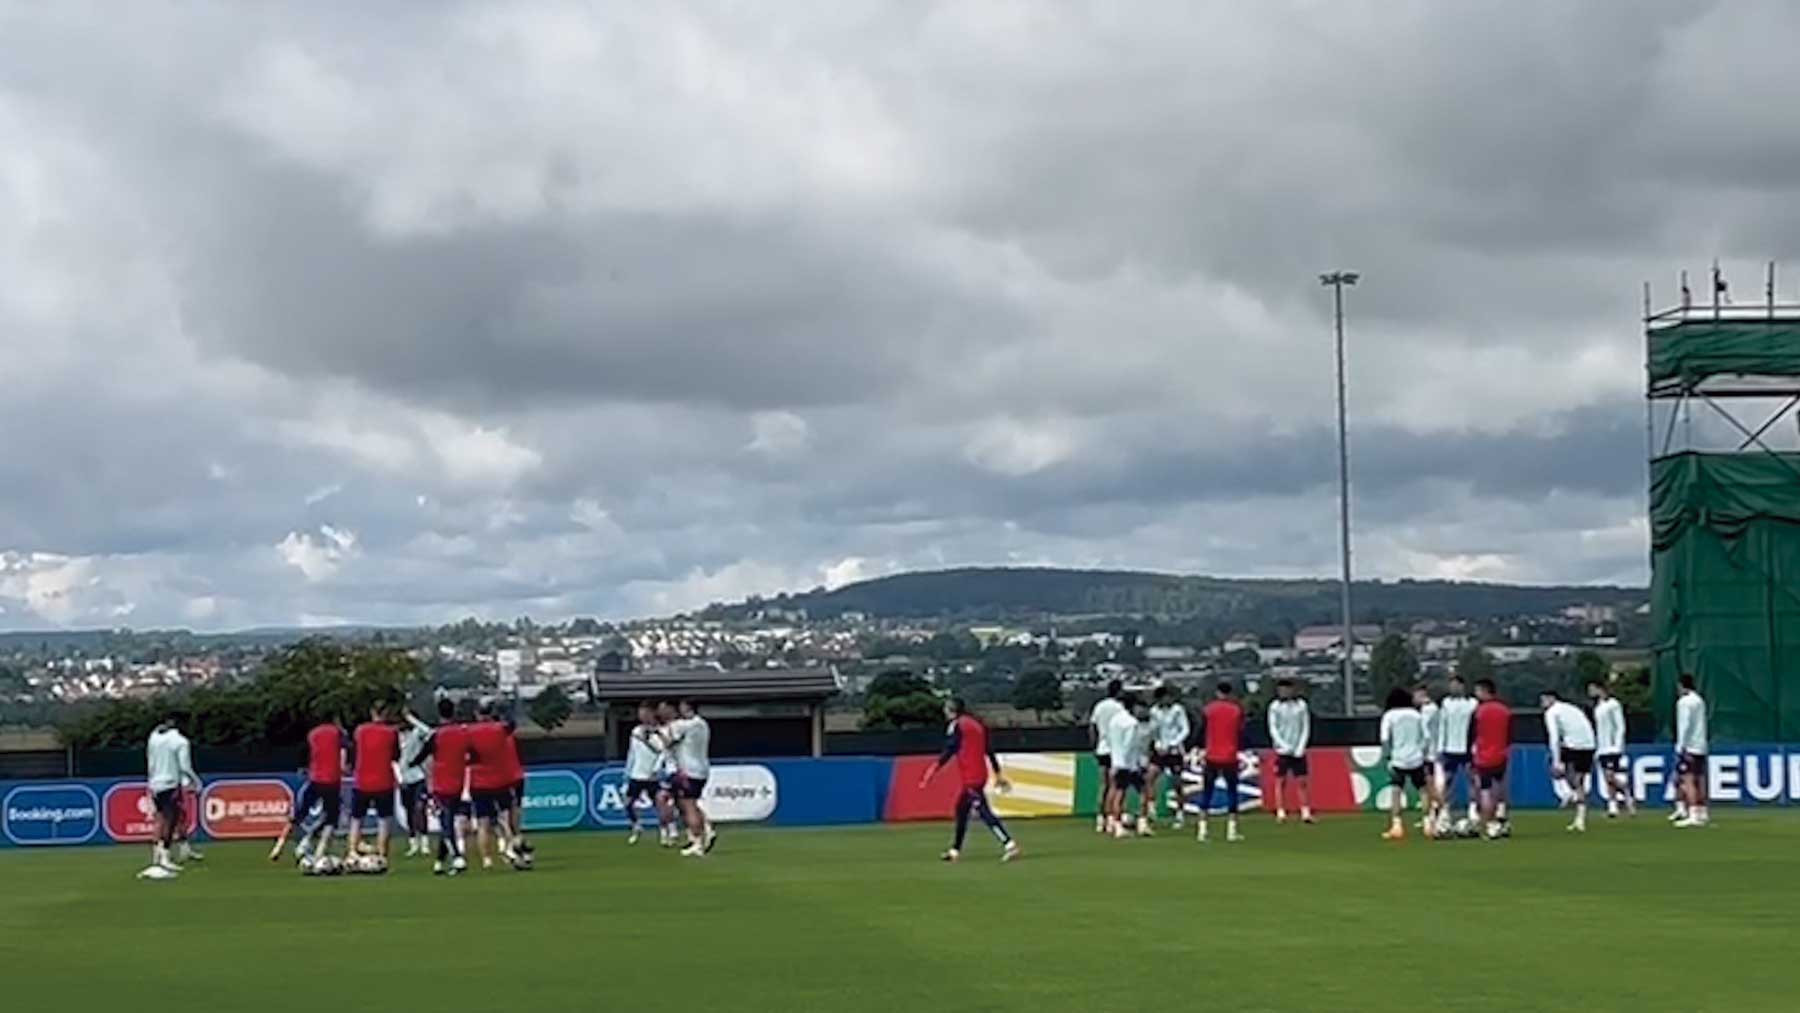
x=1291, y=766
x=636, y=789
x=450, y=804
x=1125, y=780
x=1691, y=763
x=489, y=804
x=1104, y=760
x=692, y=789
x=381, y=803
x=411, y=795
x=1218, y=771
x=328, y=797
x=1610, y=762
x=1171, y=761
x=1578, y=761
x=1403, y=776
x=1452, y=764
x=1490, y=777
x=168, y=805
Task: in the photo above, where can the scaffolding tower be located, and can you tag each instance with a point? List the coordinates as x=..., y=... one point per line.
x=1725, y=513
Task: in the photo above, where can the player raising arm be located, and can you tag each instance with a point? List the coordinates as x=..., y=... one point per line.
x=966, y=742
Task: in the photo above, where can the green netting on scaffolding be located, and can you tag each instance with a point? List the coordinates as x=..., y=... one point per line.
x=1725, y=589
x=1694, y=350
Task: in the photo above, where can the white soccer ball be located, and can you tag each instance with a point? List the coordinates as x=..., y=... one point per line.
x=322, y=865
x=1465, y=828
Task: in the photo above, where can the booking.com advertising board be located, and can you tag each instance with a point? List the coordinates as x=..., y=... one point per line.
x=820, y=792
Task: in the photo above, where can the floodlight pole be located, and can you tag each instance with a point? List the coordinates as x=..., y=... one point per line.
x=1336, y=280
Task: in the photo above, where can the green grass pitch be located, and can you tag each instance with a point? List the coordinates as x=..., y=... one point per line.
x=1633, y=916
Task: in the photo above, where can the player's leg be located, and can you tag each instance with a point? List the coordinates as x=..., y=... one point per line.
x=1207, y=773
x=1231, y=804
x=1303, y=780
x=1009, y=848
x=331, y=803
x=521, y=843
x=384, y=822
x=1281, y=783
x=1178, y=785
x=1103, y=803
x=634, y=790
x=964, y=803
x=358, y=801
x=1396, y=804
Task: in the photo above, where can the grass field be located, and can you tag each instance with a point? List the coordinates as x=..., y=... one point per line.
x=1633, y=916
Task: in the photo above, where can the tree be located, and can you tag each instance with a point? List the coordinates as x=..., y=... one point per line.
x=1038, y=691
x=550, y=709
x=1590, y=667
x=1243, y=657
x=1632, y=687
x=1473, y=663
x=900, y=699
x=1391, y=665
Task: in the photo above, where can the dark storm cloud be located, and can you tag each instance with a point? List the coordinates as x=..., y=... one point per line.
x=546, y=307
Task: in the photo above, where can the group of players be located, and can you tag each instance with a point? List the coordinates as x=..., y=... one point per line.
x=666, y=766
x=1454, y=747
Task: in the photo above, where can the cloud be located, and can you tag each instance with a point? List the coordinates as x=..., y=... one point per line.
x=878, y=286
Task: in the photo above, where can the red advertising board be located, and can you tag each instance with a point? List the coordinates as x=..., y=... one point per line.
x=131, y=815
x=247, y=808
x=1330, y=780
x=907, y=801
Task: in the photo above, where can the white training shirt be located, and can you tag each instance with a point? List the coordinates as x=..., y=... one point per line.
x=1169, y=728
x=1403, y=738
x=1609, y=727
x=644, y=756
x=1129, y=740
x=1434, y=729
x=690, y=739
x=1454, y=715
x=1290, y=726
x=1567, y=727
x=169, y=761
x=1690, y=724
x=412, y=747
x=1101, y=721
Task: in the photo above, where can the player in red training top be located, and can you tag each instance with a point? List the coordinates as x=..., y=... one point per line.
x=448, y=748
x=1223, y=724
x=490, y=784
x=324, y=766
x=1493, y=743
x=377, y=744
x=515, y=790
x=967, y=744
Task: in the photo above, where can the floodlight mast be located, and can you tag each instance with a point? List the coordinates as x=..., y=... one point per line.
x=1336, y=281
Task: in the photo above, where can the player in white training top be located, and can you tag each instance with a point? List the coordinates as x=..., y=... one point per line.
x=1571, y=740
x=169, y=766
x=690, y=739
x=1129, y=735
x=1690, y=749
x=1456, y=721
x=1609, y=749
x=1099, y=720
x=1403, y=742
x=1169, y=731
x=1432, y=802
x=1290, y=729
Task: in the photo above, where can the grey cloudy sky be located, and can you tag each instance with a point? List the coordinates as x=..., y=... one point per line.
x=308, y=315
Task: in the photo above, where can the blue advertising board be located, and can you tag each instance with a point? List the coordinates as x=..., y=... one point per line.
x=50, y=814
x=1752, y=775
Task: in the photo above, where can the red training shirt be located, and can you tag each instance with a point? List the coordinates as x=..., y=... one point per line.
x=1224, y=731
x=449, y=760
x=488, y=767
x=377, y=747
x=971, y=740
x=325, y=755
x=1493, y=735
x=514, y=770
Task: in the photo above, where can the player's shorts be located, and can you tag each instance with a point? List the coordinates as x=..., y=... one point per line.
x=1104, y=760
x=168, y=805
x=381, y=803
x=1127, y=780
x=410, y=794
x=451, y=804
x=516, y=794
x=489, y=804
x=1452, y=764
x=692, y=789
x=1490, y=777
x=1610, y=762
x=1578, y=761
x=1403, y=776
x=1291, y=766
x=1691, y=763
x=1169, y=761
x=640, y=788
x=1210, y=770
x=328, y=797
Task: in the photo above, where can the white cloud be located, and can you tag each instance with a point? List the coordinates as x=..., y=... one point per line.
x=317, y=558
x=778, y=434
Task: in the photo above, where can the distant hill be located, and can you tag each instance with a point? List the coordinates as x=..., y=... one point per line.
x=1026, y=593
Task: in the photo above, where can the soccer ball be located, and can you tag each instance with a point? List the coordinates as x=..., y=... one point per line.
x=1466, y=829
x=323, y=865
x=523, y=862
x=368, y=865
